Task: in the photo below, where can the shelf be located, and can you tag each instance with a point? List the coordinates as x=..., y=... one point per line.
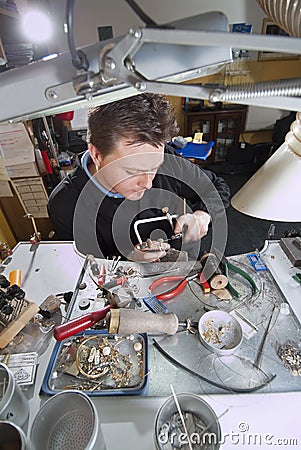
x=230, y=122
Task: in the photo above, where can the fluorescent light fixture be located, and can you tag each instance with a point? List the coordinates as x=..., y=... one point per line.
x=48, y=57
x=274, y=191
x=37, y=26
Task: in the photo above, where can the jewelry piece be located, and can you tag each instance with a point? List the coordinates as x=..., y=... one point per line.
x=111, y=358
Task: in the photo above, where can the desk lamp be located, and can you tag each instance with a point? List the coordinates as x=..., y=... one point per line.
x=274, y=191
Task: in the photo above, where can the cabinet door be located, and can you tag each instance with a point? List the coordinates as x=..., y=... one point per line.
x=227, y=129
x=200, y=123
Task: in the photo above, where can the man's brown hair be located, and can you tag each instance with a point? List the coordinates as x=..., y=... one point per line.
x=144, y=118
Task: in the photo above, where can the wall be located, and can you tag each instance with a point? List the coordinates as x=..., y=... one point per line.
x=257, y=118
x=5, y=232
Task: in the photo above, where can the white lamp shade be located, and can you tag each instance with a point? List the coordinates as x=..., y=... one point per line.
x=274, y=191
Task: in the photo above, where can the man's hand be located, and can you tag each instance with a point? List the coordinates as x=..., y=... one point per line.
x=155, y=252
x=197, y=225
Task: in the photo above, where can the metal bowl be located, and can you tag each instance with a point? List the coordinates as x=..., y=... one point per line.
x=168, y=429
x=220, y=332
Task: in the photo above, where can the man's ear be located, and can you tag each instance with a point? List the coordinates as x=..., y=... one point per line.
x=95, y=155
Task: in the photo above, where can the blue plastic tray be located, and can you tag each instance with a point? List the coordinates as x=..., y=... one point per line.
x=57, y=379
x=197, y=151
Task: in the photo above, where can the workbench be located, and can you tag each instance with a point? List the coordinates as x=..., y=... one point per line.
x=255, y=420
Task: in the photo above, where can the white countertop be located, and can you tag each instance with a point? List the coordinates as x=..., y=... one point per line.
x=254, y=421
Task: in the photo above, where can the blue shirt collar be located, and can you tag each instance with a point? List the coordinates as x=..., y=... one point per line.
x=85, y=161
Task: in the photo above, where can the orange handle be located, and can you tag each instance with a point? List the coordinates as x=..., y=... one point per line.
x=15, y=277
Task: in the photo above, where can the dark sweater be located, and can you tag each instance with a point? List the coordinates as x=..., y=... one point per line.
x=103, y=225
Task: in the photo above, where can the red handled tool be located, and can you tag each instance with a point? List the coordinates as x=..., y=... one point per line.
x=79, y=324
x=102, y=275
x=120, y=281
x=179, y=287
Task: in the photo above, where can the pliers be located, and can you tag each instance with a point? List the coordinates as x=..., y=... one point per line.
x=175, y=290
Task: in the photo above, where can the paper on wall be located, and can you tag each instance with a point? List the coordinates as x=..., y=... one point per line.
x=15, y=144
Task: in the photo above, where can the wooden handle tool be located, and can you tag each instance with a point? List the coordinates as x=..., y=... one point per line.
x=129, y=321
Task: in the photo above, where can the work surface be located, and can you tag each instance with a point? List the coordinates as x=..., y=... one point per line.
x=256, y=420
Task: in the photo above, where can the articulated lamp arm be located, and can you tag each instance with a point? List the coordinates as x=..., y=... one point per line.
x=146, y=59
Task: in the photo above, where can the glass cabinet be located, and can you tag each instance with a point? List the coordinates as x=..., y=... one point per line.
x=221, y=126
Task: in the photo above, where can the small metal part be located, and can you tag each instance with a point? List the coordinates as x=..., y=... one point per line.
x=94, y=266
x=137, y=346
x=84, y=304
x=168, y=216
x=114, y=321
x=271, y=232
x=36, y=237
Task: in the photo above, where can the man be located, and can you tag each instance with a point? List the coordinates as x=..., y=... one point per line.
x=130, y=174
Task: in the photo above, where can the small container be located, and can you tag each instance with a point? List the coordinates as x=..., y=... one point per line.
x=67, y=421
x=14, y=405
x=284, y=309
x=220, y=332
x=206, y=434
x=12, y=437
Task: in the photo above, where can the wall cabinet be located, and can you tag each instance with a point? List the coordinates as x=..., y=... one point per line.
x=221, y=126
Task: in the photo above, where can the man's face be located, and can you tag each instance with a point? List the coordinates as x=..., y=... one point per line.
x=130, y=169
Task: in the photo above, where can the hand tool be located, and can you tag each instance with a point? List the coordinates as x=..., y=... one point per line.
x=79, y=324
x=15, y=277
x=263, y=341
x=130, y=321
x=180, y=281
x=120, y=281
x=36, y=237
x=148, y=245
x=102, y=275
x=149, y=220
x=181, y=416
x=212, y=272
x=154, y=305
x=204, y=283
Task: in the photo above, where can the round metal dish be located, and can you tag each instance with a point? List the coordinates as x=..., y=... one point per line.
x=220, y=332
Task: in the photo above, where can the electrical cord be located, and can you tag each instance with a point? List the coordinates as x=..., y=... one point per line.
x=177, y=363
x=79, y=58
x=141, y=14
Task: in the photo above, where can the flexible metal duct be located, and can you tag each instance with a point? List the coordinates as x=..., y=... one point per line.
x=285, y=13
